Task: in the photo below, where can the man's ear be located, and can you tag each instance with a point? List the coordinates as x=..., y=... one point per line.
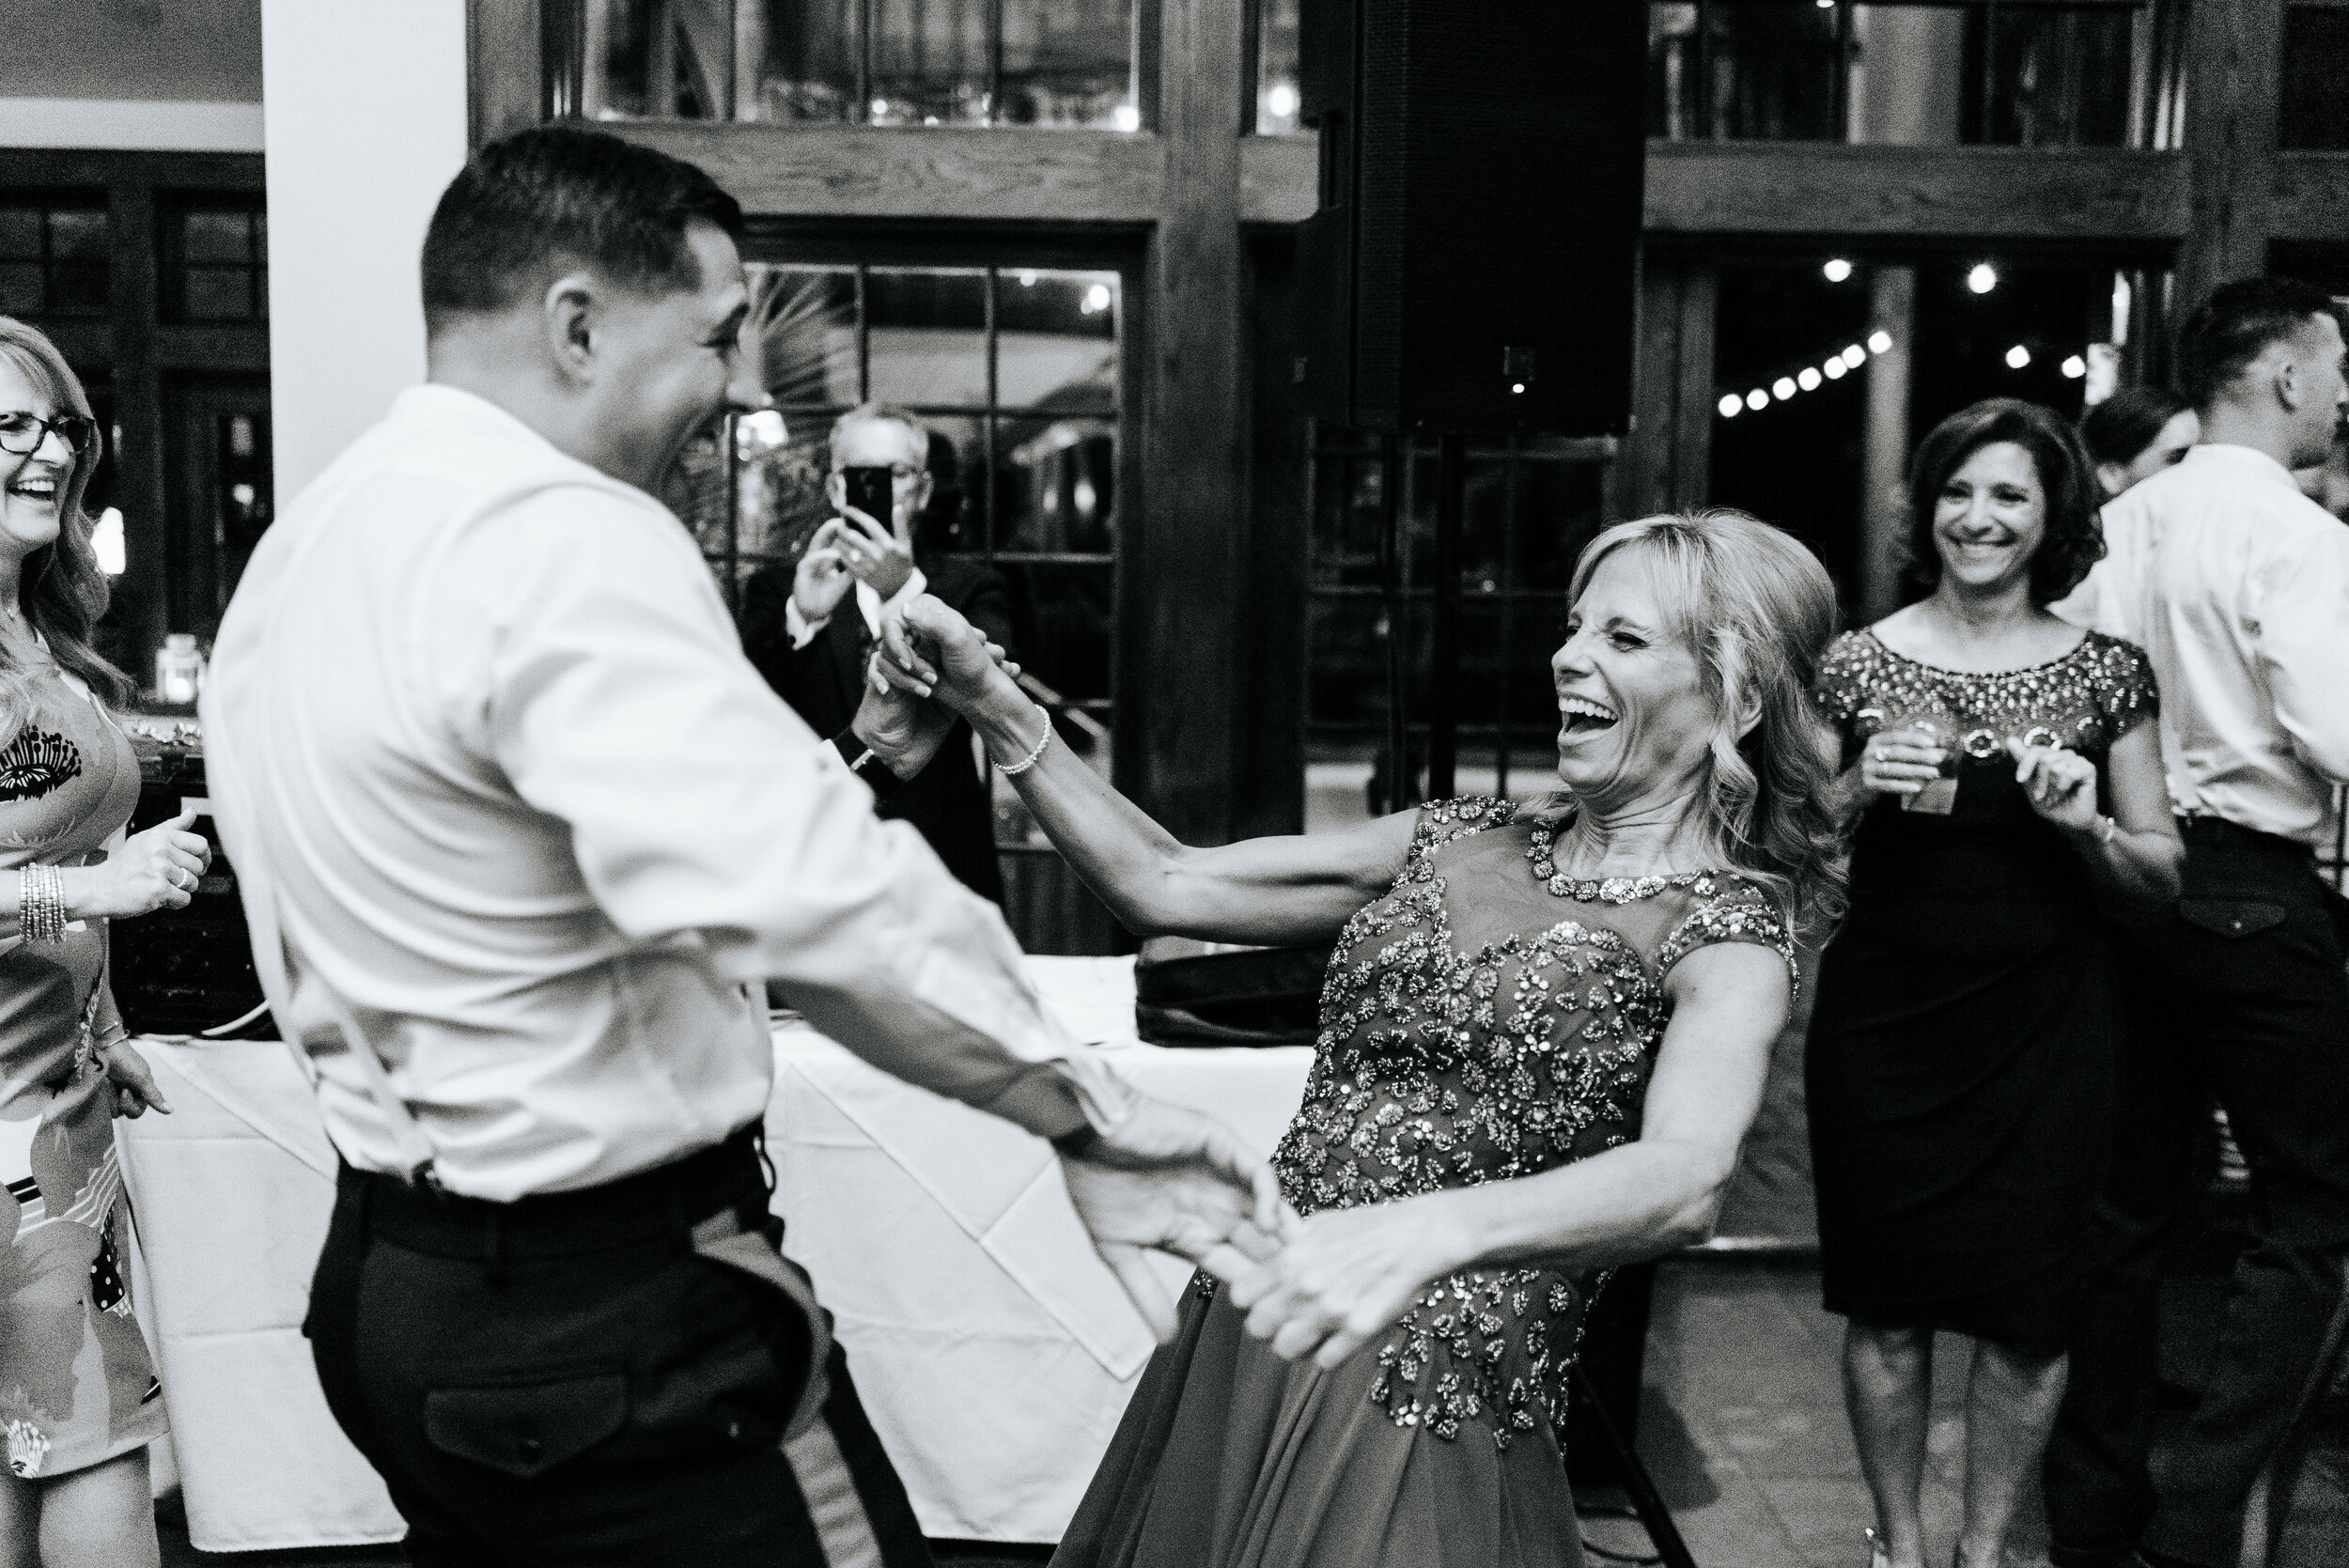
x=570, y=313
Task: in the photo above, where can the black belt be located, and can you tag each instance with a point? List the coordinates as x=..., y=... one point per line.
x=2216, y=832
x=663, y=1204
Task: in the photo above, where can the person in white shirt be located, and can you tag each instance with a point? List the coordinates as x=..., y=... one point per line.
x=519, y=831
x=2238, y=588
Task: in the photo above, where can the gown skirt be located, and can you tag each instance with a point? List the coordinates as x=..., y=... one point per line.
x=1230, y=1457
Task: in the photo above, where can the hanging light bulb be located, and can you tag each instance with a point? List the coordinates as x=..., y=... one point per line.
x=1731, y=405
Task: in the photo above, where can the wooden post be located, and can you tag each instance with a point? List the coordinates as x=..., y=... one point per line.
x=1180, y=625
x=1884, y=459
x=2234, y=65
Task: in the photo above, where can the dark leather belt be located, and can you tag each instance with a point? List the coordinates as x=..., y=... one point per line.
x=2216, y=832
x=663, y=1204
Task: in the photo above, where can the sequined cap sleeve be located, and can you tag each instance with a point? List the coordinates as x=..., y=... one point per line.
x=2127, y=693
x=1738, y=911
x=1441, y=821
x=1843, y=687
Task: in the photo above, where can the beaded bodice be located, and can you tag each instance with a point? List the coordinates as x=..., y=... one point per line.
x=1476, y=1028
x=1989, y=846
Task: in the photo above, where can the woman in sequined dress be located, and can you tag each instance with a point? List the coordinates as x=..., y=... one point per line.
x=78, y=1398
x=1959, y=1063
x=1543, y=1032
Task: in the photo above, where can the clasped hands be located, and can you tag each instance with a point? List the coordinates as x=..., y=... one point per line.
x=1177, y=1182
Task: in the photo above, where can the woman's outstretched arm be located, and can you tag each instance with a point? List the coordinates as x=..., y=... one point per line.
x=1287, y=891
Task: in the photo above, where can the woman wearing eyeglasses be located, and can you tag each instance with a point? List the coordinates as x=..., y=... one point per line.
x=79, y=1402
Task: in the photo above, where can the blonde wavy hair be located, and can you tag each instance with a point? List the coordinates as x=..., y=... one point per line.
x=62, y=591
x=1758, y=610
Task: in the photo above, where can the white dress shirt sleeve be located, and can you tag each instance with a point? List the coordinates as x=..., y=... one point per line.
x=702, y=810
x=802, y=630
x=2300, y=600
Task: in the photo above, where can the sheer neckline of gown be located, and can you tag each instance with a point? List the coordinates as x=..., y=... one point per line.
x=1606, y=889
x=2064, y=658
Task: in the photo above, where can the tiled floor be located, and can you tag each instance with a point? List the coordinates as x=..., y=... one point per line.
x=1742, y=1428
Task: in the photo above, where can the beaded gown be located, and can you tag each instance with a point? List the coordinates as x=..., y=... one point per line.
x=1959, y=1068
x=76, y=1384
x=1483, y=1019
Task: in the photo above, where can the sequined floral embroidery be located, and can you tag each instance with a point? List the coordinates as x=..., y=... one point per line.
x=2084, y=701
x=1439, y=1066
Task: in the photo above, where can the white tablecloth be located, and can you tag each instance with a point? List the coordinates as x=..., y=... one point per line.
x=992, y=1349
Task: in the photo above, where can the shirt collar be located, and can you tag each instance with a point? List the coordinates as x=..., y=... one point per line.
x=2249, y=463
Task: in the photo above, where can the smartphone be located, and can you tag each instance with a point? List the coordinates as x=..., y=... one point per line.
x=872, y=492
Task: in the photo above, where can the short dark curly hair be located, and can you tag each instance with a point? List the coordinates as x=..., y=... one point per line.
x=2075, y=539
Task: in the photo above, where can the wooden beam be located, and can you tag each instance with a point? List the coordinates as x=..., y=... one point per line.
x=866, y=172
x=49, y=169
x=1181, y=619
x=2310, y=197
x=2234, y=67
x=1993, y=193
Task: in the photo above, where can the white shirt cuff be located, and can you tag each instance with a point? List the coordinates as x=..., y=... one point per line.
x=803, y=629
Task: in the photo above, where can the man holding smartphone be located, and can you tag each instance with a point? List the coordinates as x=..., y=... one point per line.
x=812, y=635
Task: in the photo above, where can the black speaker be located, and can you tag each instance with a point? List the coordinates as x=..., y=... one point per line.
x=1473, y=263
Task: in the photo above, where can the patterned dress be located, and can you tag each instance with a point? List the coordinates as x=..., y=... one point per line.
x=77, y=1386
x=1959, y=1068
x=1484, y=1018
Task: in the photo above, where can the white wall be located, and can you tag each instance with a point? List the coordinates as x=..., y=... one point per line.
x=365, y=117
x=146, y=124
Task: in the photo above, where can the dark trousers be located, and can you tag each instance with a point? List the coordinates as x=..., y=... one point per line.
x=2238, y=991
x=566, y=1381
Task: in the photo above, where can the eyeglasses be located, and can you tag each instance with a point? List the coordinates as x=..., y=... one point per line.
x=22, y=432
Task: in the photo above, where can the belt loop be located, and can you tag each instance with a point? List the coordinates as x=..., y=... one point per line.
x=493, y=1231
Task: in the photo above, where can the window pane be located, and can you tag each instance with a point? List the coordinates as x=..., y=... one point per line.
x=20, y=234
x=1056, y=340
x=22, y=292
x=928, y=330
x=220, y=236
x=1069, y=63
x=2315, y=108
x=1057, y=485
x=2058, y=77
x=805, y=329
x=1276, y=66
x=955, y=521
x=929, y=62
x=78, y=234
x=806, y=52
x=78, y=287
x=1061, y=616
x=658, y=59
x=218, y=294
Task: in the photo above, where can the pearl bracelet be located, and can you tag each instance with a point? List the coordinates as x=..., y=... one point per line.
x=1013, y=770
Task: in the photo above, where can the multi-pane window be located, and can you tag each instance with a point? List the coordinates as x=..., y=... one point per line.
x=215, y=262
x=1930, y=73
x=52, y=258
x=1016, y=373
x=1043, y=62
x=1530, y=506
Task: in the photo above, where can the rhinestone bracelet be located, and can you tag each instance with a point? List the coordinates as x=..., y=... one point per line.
x=41, y=904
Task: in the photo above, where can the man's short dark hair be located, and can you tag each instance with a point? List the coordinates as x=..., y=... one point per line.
x=533, y=205
x=2074, y=537
x=2238, y=324
x=2119, y=429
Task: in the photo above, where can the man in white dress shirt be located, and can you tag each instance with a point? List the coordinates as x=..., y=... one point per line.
x=2238, y=588
x=520, y=833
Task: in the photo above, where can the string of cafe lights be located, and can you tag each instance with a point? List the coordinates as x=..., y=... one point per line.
x=1982, y=278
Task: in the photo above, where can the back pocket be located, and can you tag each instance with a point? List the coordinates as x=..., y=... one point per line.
x=527, y=1429
x=2231, y=917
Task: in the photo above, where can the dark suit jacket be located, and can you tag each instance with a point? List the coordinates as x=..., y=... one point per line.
x=947, y=801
